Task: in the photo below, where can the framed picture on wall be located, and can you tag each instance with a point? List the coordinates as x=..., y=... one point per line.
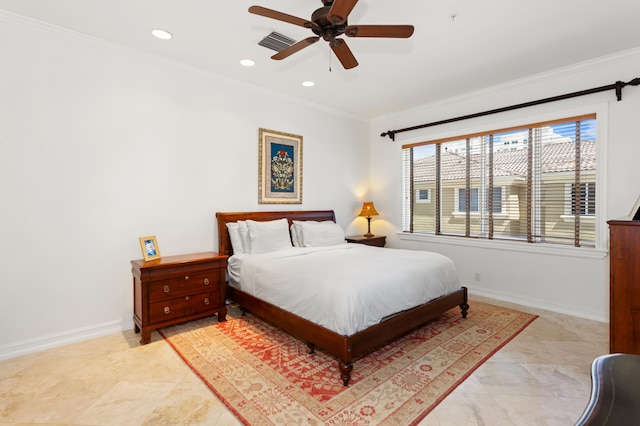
x=149, y=246
x=279, y=168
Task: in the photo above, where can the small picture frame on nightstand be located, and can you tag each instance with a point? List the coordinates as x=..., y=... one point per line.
x=149, y=247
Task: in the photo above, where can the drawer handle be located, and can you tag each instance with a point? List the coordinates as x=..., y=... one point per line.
x=166, y=289
x=186, y=298
x=206, y=301
x=166, y=310
x=206, y=281
x=186, y=277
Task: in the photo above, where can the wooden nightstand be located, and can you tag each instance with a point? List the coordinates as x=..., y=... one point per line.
x=376, y=240
x=176, y=289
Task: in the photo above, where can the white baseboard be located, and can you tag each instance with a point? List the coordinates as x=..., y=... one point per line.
x=59, y=339
x=38, y=344
x=539, y=304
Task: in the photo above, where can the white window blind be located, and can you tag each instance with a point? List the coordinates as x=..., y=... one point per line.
x=533, y=183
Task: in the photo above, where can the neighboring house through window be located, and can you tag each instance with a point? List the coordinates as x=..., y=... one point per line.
x=518, y=183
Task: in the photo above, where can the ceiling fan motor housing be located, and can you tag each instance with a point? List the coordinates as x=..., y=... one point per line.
x=328, y=31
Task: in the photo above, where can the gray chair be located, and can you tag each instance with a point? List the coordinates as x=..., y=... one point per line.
x=615, y=391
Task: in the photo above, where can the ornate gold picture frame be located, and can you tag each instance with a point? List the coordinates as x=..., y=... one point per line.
x=149, y=247
x=279, y=168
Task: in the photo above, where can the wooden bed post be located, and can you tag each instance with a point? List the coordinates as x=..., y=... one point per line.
x=345, y=371
x=464, y=307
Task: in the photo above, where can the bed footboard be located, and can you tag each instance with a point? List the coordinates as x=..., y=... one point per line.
x=348, y=348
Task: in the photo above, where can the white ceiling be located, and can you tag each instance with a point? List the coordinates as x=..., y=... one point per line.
x=488, y=43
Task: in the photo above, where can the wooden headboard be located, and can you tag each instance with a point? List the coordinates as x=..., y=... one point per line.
x=224, y=242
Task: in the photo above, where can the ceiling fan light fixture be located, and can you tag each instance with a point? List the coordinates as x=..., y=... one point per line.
x=247, y=62
x=162, y=34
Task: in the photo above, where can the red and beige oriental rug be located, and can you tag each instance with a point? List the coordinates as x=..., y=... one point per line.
x=267, y=377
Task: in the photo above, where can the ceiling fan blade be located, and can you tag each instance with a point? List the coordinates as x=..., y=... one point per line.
x=274, y=14
x=343, y=53
x=340, y=10
x=388, y=31
x=284, y=53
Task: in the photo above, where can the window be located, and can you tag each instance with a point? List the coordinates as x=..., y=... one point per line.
x=462, y=200
x=422, y=196
x=474, y=207
x=534, y=183
x=586, y=204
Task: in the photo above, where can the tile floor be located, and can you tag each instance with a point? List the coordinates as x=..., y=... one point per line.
x=540, y=378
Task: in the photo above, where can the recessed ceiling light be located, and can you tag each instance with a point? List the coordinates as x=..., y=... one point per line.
x=162, y=34
x=308, y=83
x=247, y=62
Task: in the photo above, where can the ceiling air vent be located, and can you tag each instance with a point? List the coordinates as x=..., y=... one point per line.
x=276, y=41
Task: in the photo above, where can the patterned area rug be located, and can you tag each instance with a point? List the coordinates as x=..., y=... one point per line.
x=267, y=377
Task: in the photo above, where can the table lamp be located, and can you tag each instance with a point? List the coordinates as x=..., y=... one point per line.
x=368, y=210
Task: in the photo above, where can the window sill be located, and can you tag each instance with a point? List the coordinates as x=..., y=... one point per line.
x=549, y=249
x=569, y=218
x=462, y=215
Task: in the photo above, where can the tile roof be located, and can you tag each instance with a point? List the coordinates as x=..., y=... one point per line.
x=556, y=158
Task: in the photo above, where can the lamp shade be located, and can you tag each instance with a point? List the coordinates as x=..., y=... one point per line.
x=368, y=209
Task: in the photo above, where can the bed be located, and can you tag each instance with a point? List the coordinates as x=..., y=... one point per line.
x=345, y=345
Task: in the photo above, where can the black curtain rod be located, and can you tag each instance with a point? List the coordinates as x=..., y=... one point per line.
x=618, y=85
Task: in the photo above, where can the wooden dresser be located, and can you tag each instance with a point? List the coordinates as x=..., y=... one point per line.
x=624, y=293
x=175, y=289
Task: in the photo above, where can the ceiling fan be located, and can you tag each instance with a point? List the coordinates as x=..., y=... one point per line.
x=329, y=22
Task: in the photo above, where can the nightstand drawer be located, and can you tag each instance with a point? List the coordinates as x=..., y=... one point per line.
x=184, y=285
x=183, y=269
x=183, y=306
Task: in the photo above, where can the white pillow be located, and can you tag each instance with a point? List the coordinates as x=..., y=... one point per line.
x=234, y=235
x=296, y=232
x=244, y=236
x=265, y=237
x=294, y=236
x=320, y=234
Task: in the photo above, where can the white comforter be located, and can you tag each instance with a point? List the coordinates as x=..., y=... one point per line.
x=345, y=288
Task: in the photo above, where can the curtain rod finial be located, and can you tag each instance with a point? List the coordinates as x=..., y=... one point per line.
x=390, y=133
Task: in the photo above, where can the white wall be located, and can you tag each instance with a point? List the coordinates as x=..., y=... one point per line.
x=570, y=284
x=100, y=144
